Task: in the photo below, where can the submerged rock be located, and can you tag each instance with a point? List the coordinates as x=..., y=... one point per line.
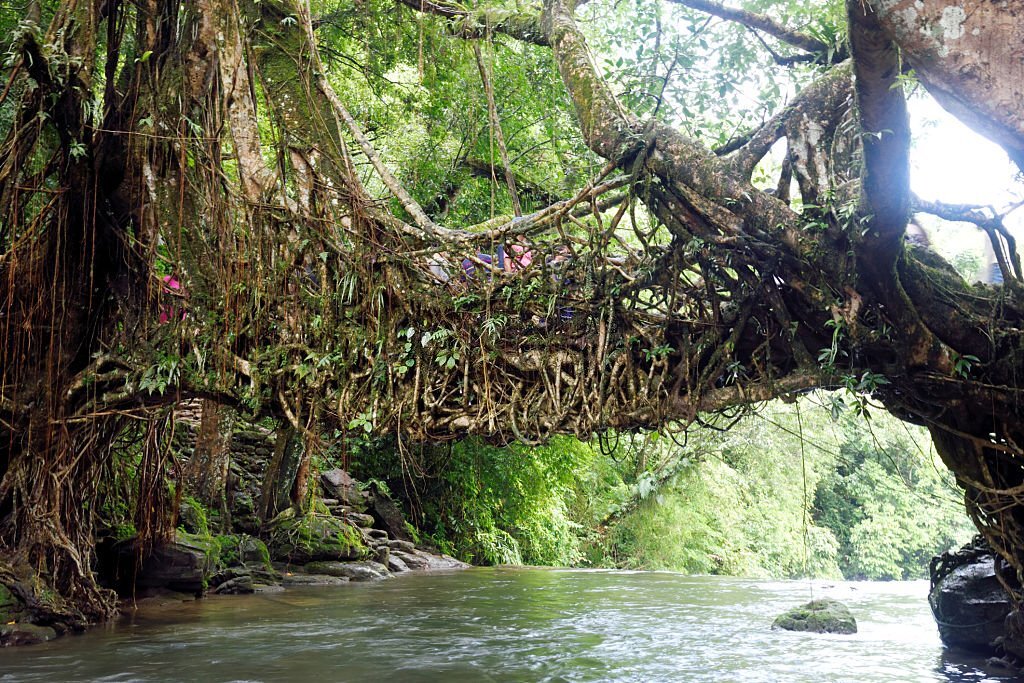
x=418, y=559
x=818, y=616
x=237, y=585
x=313, y=580
x=396, y=564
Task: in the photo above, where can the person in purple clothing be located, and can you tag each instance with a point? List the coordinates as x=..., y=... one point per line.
x=498, y=260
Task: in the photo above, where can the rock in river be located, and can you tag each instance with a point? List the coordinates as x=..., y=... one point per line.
x=970, y=605
x=818, y=616
x=355, y=571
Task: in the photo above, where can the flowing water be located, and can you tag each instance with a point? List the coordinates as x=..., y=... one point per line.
x=512, y=624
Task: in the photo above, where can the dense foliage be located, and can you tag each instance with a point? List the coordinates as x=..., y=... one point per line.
x=784, y=493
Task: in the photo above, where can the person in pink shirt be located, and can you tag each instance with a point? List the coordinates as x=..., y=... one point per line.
x=520, y=253
x=171, y=290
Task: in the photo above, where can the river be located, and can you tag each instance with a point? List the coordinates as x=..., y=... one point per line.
x=511, y=624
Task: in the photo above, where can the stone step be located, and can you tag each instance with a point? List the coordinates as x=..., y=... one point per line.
x=359, y=519
x=407, y=546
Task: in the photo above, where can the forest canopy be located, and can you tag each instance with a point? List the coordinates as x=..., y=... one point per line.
x=509, y=220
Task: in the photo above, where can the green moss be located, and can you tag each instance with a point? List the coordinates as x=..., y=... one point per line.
x=315, y=537
x=10, y=605
x=123, y=532
x=228, y=546
x=818, y=616
x=205, y=544
x=241, y=549
x=194, y=517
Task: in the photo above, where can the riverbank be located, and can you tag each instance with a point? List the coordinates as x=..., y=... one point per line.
x=347, y=532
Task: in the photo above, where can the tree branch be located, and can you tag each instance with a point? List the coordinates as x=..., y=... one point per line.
x=759, y=22
x=885, y=180
x=481, y=168
x=1004, y=245
x=524, y=25
x=411, y=206
x=823, y=101
x=716, y=199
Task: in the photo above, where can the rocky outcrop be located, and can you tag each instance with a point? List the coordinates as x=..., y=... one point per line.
x=387, y=516
x=969, y=603
x=339, y=485
x=818, y=616
x=184, y=564
x=352, y=533
x=349, y=523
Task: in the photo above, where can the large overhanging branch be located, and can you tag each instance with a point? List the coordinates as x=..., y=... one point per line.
x=614, y=133
x=682, y=164
x=824, y=100
x=952, y=50
x=522, y=24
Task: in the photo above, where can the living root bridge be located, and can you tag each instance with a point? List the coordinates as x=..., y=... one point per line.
x=209, y=144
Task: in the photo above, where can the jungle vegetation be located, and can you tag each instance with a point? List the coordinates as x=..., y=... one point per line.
x=789, y=491
x=274, y=206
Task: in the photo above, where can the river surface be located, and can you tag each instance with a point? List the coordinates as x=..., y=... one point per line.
x=512, y=624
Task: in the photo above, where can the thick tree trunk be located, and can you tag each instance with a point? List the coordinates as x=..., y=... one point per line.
x=279, y=480
x=206, y=474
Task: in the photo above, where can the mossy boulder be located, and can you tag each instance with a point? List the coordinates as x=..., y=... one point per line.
x=192, y=517
x=11, y=607
x=310, y=537
x=183, y=564
x=818, y=616
x=242, y=549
